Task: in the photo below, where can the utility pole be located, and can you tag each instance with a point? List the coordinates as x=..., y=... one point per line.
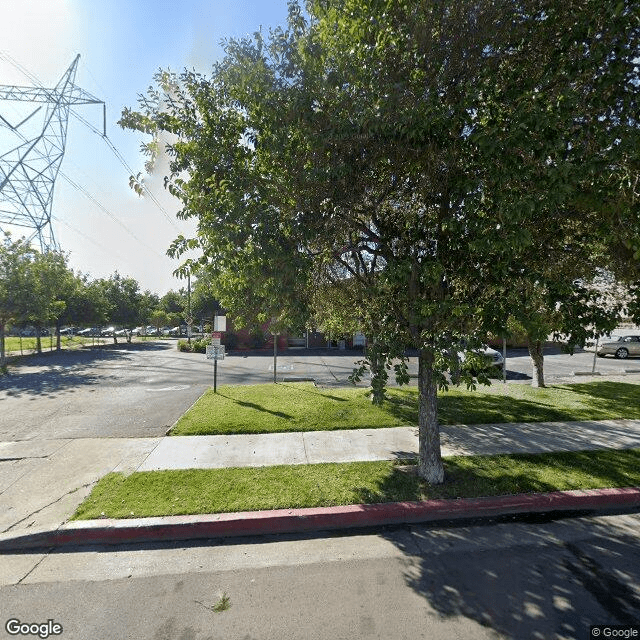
x=29, y=170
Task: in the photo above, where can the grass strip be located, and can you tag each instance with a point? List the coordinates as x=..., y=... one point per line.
x=283, y=407
x=46, y=342
x=199, y=491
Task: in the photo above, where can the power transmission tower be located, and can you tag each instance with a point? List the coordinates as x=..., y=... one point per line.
x=28, y=171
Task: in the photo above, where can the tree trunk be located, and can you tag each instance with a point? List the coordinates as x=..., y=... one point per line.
x=38, y=340
x=58, y=338
x=430, y=463
x=537, y=359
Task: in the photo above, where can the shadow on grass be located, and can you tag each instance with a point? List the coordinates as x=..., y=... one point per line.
x=605, y=395
x=313, y=392
x=604, y=399
x=257, y=407
x=478, y=476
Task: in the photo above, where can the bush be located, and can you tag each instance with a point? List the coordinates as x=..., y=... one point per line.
x=196, y=346
x=230, y=341
x=257, y=339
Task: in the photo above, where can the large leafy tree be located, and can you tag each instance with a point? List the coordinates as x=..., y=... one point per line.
x=148, y=303
x=372, y=150
x=51, y=285
x=123, y=298
x=15, y=260
x=562, y=112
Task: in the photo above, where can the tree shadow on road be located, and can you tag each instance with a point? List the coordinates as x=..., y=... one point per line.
x=62, y=371
x=527, y=580
x=527, y=576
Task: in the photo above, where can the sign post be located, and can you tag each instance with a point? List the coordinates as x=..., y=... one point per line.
x=215, y=353
x=216, y=350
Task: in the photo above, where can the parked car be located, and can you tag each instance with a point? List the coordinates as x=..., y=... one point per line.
x=67, y=331
x=89, y=331
x=623, y=347
x=139, y=331
x=109, y=331
x=492, y=358
x=31, y=332
x=151, y=330
x=122, y=333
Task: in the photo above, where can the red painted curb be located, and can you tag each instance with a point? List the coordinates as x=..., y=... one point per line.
x=251, y=523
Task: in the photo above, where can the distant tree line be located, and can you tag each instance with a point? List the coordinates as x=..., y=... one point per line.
x=41, y=290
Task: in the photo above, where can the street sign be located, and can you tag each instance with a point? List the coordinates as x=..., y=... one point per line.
x=215, y=352
x=216, y=334
x=220, y=323
x=189, y=320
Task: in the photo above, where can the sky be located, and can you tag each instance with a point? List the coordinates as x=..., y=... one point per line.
x=98, y=220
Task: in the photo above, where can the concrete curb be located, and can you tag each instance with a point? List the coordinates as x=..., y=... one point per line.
x=252, y=523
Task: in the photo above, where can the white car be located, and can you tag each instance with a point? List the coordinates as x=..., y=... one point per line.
x=492, y=357
x=621, y=347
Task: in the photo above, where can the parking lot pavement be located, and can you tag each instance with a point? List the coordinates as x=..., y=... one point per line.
x=117, y=392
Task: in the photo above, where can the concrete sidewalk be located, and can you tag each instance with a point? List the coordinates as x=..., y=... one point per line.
x=310, y=447
x=43, y=482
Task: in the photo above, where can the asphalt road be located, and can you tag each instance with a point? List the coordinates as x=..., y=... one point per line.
x=140, y=390
x=129, y=391
x=520, y=580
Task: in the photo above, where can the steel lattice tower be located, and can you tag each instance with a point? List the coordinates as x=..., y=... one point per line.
x=28, y=172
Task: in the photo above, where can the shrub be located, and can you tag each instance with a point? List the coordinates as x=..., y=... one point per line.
x=230, y=341
x=257, y=339
x=196, y=346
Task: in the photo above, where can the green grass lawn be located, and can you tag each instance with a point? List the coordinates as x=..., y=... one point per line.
x=198, y=491
x=12, y=343
x=303, y=407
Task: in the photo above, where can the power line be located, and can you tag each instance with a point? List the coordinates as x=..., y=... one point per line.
x=84, y=235
x=102, y=135
x=75, y=185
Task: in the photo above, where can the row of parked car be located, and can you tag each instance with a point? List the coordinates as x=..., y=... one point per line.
x=108, y=332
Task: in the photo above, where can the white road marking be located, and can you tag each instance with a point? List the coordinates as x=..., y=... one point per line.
x=178, y=387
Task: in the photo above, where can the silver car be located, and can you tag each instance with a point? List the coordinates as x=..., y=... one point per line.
x=492, y=358
x=622, y=347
